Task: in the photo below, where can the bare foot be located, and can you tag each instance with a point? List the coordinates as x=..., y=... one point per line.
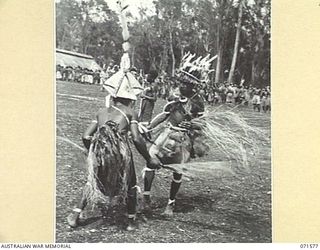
x=146, y=205
x=169, y=210
x=132, y=225
x=73, y=219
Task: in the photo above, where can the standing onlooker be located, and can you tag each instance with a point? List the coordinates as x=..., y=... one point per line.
x=96, y=77
x=263, y=96
x=148, y=98
x=77, y=74
x=217, y=97
x=223, y=93
x=230, y=94
x=58, y=72
x=246, y=96
x=64, y=73
x=268, y=102
x=210, y=96
x=256, y=100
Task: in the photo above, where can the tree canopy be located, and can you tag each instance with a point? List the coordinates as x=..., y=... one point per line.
x=237, y=31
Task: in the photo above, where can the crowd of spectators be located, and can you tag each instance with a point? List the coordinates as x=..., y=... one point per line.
x=247, y=95
x=224, y=93
x=78, y=74
x=258, y=98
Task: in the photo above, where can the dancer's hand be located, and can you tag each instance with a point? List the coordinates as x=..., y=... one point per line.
x=185, y=124
x=154, y=163
x=148, y=126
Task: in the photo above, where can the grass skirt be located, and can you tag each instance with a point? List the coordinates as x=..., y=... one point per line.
x=171, y=146
x=226, y=136
x=227, y=133
x=110, y=165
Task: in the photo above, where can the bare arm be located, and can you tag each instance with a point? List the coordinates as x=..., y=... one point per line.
x=158, y=119
x=197, y=109
x=148, y=97
x=87, y=135
x=138, y=140
x=162, y=116
x=141, y=145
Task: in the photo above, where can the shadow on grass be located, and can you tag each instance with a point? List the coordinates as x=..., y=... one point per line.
x=89, y=221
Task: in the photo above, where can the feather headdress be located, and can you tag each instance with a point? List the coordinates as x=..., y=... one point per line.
x=195, y=70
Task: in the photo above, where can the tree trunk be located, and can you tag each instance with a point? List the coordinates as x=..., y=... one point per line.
x=165, y=59
x=236, y=45
x=253, y=72
x=132, y=56
x=219, y=64
x=153, y=63
x=182, y=50
x=62, y=41
x=173, y=70
x=220, y=52
x=206, y=42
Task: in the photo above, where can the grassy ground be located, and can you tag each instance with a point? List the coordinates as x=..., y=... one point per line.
x=217, y=208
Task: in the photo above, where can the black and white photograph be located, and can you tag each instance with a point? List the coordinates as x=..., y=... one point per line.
x=163, y=121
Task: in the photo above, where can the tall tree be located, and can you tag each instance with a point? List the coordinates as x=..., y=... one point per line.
x=88, y=27
x=160, y=38
x=236, y=44
x=258, y=37
x=224, y=8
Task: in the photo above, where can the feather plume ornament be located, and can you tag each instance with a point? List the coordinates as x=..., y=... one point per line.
x=224, y=132
x=123, y=83
x=195, y=70
x=109, y=160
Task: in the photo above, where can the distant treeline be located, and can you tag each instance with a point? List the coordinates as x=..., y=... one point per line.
x=237, y=31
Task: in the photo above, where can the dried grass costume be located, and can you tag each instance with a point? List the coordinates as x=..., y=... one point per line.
x=110, y=162
x=175, y=144
x=111, y=167
x=223, y=131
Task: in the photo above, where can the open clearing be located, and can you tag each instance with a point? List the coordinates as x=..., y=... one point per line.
x=219, y=208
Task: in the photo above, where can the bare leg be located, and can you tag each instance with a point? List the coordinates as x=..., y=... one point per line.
x=132, y=200
x=175, y=186
x=148, y=179
x=131, y=208
x=73, y=218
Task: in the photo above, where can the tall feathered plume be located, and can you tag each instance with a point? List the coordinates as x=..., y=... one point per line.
x=123, y=83
x=196, y=69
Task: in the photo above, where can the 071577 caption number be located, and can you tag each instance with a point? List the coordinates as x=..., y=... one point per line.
x=308, y=245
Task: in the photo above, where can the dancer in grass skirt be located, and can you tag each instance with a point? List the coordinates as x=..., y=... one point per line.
x=175, y=144
x=111, y=169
